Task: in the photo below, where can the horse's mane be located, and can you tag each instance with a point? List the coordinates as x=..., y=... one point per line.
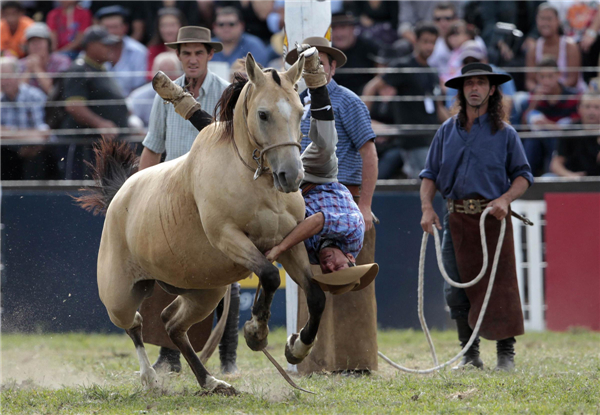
x=226, y=104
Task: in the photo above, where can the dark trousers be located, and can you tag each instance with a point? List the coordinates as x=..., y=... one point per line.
x=456, y=298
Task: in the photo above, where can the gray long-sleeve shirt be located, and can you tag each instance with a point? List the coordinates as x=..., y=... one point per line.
x=319, y=159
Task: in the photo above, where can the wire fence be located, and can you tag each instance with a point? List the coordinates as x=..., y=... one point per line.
x=78, y=135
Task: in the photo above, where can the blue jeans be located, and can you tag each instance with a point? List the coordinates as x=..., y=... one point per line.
x=456, y=298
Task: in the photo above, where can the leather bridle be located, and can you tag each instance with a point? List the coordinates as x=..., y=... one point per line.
x=258, y=153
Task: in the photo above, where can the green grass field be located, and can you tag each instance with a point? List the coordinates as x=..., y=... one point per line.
x=95, y=374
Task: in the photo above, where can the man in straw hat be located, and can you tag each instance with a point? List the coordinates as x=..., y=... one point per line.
x=169, y=132
x=477, y=160
x=338, y=348
x=334, y=228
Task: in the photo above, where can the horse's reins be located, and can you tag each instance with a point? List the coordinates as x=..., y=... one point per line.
x=458, y=285
x=258, y=153
x=272, y=359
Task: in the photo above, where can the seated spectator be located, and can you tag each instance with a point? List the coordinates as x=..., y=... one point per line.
x=411, y=149
x=169, y=21
x=23, y=121
x=229, y=30
x=67, y=24
x=12, y=28
x=548, y=114
x=137, y=14
x=472, y=52
x=128, y=55
x=378, y=20
x=200, y=13
x=254, y=15
x=140, y=100
x=39, y=60
x=344, y=36
x=444, y=16
x=552, y=42
x=459, y=33
x=97, y=43
x=590, y=46
x=580, y=156
x=410, y=12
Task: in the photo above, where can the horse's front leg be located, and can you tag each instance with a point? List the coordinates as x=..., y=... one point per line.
x=295, y=261
x=236, y=245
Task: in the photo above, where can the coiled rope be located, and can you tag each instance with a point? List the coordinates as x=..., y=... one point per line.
x=457, y=285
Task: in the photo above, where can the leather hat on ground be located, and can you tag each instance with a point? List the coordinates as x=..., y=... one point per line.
x=348, y=279
x=477, y=69
x=322, y=45
x=195, y=34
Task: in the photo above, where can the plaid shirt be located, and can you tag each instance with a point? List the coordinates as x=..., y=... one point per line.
x=168, y=131
x=343, y=221
x=30, y=116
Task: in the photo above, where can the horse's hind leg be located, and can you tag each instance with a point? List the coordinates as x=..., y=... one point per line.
x=298, y=345
x=189, y=308
x=147, y=372
x=121, y=302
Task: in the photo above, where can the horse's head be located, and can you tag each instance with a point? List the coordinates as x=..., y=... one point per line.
x=273, y=114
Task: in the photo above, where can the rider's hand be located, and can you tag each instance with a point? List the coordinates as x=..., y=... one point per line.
x=499, y=208
x=273, y=253
x=429, y=219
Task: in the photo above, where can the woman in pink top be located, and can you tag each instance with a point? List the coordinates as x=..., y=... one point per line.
x=67, y=24
x=553, y=43
x=170, y=19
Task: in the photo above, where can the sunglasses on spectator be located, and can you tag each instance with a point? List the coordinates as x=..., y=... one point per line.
x=446, y=18
x=223, y=24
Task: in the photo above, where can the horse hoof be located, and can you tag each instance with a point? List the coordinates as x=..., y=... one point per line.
x=149, y=379
x=256, y=335
x=225, y=390
x=295, y=350
x=216, y=386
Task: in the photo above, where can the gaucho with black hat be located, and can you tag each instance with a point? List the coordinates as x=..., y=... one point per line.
x=477, y=160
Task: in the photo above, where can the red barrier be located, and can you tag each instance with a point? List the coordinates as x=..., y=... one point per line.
x=573, y=257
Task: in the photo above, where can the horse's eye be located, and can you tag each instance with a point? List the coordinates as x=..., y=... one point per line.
x=262, y=115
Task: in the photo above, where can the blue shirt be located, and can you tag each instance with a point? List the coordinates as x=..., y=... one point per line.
x=29, y=115
x=134, y=58
x=343, y=222
x=247, y=43
x=464, y=164
x=353, y=125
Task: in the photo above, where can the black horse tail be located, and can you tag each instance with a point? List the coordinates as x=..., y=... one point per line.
x=115, y=163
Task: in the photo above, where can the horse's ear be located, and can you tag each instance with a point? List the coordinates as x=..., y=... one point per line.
x=256, y=76
x=295, y=72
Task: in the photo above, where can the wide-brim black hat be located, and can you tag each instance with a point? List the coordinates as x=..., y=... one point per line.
x=477, y=69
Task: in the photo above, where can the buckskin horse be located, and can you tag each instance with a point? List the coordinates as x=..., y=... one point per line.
x=200, y=222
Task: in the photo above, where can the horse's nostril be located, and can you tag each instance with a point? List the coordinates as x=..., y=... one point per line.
x=282, y=179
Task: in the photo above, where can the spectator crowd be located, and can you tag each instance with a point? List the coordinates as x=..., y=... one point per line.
x=72, y=70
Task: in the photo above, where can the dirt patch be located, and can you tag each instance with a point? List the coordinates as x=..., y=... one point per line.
x=32, y=368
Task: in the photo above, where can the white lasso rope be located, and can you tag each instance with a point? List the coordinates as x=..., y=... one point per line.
x=454, y=284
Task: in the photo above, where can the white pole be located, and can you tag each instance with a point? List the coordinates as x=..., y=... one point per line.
x=302, y=19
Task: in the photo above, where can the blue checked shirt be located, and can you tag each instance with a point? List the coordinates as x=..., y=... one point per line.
x=353, y=125
x=28, y=116
x=343, y=221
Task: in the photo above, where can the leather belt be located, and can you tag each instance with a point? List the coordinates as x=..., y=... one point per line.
x=307, y=187
x=468, y=206
x=354, y=190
